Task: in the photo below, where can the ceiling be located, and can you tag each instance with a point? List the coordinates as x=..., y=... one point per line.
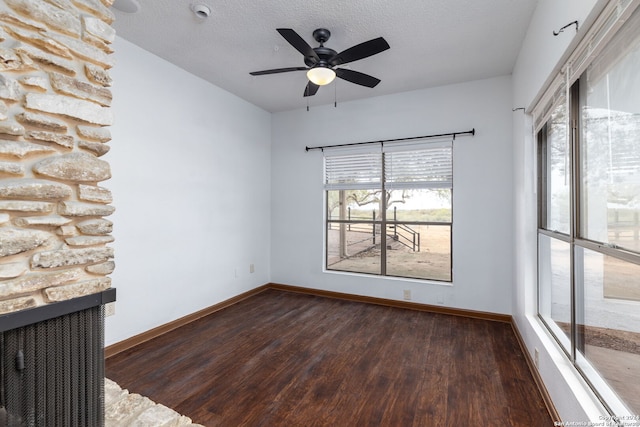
x=433, y=42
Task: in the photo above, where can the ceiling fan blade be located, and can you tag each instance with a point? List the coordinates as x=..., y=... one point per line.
x=277, y=70
x=357, y=77
x=360, y=51
x=298, y=42
x=311, y=89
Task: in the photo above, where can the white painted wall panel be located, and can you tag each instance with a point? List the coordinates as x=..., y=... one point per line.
x=191, y=183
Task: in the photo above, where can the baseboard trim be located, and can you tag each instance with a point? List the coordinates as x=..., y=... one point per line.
x=124, y=345
x=505, y=318
x=553, y=412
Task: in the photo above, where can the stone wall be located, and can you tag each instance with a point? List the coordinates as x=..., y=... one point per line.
x=54, y=118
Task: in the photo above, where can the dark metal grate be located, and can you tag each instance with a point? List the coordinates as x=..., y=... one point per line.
x=52, y=372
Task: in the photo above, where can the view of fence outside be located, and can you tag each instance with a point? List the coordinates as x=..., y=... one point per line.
x=417, y=241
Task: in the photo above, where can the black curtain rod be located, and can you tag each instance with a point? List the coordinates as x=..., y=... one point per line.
x=452, y=134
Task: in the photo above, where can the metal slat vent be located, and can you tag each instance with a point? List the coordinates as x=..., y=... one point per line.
x=52, y=372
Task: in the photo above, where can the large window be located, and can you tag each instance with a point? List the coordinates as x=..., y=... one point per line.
x=589, y=221
x=388, y=211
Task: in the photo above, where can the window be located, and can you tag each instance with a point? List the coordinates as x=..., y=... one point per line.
x=589, y=219
x=388, y=210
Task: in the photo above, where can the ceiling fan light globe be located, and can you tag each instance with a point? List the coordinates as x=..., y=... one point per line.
x=321, y=75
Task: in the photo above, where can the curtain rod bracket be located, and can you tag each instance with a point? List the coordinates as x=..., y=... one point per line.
x=555, y=33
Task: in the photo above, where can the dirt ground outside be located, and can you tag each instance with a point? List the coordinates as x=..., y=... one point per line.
x=621, y=279
x=615, y=354
x=431, y=261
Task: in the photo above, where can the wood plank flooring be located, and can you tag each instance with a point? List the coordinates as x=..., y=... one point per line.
x=287, y=359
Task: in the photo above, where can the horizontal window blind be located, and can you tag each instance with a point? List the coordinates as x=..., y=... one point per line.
x=425, y=168
x=606, y=26
x=557, y=98
x=354, y=171
x=429, y=166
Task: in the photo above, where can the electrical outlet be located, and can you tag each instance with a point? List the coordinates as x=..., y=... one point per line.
x=407, y=294
x=110, y=309
x=252, y=268
x=536, y=358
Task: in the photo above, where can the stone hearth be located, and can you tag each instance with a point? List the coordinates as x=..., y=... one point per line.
x=124, y=409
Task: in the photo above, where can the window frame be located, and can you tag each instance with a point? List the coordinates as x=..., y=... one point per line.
x=384, y=222
x=574, y=76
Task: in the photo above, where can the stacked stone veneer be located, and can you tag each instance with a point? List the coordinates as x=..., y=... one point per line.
x=131, y=409
x=54, y=118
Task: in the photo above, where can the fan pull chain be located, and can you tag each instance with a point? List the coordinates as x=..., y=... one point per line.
x=335, y=95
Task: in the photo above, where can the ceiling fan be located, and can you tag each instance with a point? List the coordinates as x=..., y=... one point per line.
x=321, y=61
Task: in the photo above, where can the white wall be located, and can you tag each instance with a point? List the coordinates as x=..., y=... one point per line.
x=191, y=172
x=539, y=57
x=482, y=203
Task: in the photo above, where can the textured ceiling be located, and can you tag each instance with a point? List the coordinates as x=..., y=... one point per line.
x=433, y=42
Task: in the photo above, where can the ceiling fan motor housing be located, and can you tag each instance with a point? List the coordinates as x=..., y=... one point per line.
x=324, y=53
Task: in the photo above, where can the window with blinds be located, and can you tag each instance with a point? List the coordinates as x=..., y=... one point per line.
x=588, y=142
x=388, y=210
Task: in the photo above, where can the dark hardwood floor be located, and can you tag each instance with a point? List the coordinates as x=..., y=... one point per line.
x=287, y=359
